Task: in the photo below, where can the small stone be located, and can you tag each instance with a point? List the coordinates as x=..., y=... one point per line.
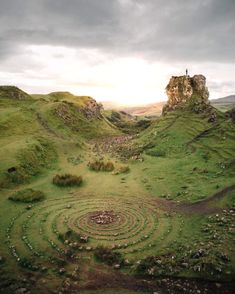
x=185, y=264
x=21, y=291
x=117, y=266
x=62, y=270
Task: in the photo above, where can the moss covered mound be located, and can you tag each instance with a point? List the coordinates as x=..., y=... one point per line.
x=27, y=196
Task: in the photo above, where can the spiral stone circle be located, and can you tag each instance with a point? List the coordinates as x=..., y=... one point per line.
x=128, y=225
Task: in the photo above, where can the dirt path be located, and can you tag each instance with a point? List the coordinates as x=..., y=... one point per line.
x=103, y=278
x=45, y=125
x=205, y=206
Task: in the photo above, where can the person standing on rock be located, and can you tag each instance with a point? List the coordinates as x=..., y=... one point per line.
x=186, y=72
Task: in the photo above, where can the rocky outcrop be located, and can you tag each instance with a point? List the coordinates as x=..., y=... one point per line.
x=187, y=92
x=84, y=104
x=92, y=109
x=12, y=92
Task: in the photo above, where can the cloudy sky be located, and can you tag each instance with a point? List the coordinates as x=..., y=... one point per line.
x=121, y=50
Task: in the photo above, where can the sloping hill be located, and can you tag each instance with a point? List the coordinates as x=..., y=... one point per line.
x=191, y=143
x=12, y=92
x=26, y=122
x=225, y=103
x=158, y=204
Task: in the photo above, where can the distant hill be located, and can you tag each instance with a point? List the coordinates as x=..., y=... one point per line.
x=152, y=109
x=155, y=109
x=225, y=103
x=12, y=92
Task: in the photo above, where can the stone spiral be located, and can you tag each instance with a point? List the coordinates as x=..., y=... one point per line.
x=130, y=225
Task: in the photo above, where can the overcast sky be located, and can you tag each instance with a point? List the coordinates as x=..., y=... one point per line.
x=123, y=50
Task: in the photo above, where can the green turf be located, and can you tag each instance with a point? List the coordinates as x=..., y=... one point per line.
x=179, y=160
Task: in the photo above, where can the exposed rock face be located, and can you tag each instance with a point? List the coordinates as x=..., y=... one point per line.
x=84, y=104
x=92, y=109
x=187, y=92
x=12, y=92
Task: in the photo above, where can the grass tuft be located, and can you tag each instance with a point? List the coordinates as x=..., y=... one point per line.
x=98, y=165
x=67, y=180
x=27, y=195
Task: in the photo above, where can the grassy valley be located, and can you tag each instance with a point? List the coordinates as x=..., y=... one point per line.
x=99, y=201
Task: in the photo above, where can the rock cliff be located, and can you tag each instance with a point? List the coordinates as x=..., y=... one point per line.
x=187, y=92
x=92, y=109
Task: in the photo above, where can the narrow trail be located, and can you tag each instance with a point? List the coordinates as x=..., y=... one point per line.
x=201, y=207
x=170, y=124
x=199, y=136
x=45, y=125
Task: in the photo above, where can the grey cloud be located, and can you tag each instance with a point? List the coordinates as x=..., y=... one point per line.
x=170, y=30
x=228, y=86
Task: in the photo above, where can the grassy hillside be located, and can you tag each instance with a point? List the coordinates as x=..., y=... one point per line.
x=126, y=122
x=44, y=122
x=150, y=211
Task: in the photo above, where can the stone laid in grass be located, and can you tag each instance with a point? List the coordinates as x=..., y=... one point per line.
x=27, y=195
x=67, y=180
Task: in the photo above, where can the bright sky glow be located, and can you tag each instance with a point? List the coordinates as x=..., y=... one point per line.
x=116, y=50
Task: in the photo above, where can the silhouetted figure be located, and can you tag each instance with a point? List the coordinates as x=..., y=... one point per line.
x=186, y=72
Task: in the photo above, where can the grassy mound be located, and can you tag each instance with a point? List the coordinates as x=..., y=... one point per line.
x=82, y=119
x=98, y=165
x=12, y=92
x=32, y=160
x=67, y=180
x=27, y=195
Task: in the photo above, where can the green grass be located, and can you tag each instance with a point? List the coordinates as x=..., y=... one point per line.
x=149, y=200
x=30, y=162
